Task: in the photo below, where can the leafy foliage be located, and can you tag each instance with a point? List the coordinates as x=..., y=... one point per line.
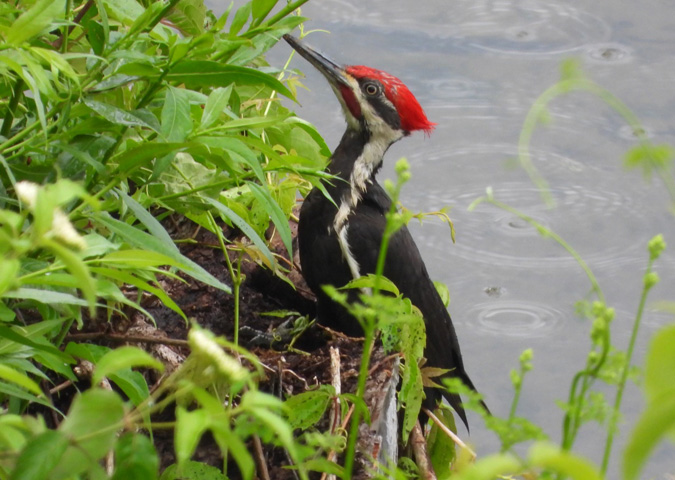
x=116, y=115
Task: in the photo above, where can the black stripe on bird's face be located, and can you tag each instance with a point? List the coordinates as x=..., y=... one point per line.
x=373, y=92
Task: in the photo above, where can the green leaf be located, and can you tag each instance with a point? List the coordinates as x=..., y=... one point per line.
x=142, y=239
x=122, y=358
x=148, y=220
x=135, y=458
x=9, y=268
x=117, y=115
x=307, y=408
x=126, y=11
x=35, y=20
x=441, y=447
x=78, y=269
x=244, y=227
x=14, y=376
x=276, y=214
x=45, y=296
x=176, y=120
x=193, y=471
x=137, y=258
x=660, y=365
x=96, y=36
x=443, y=292
x=562, y=461
x=260, y=9
x=206, y=73
x=188, y=16
x=137, y=157
x=228, y=440
x=236, y=149
x=215, y=105
x=91, y=428
x=40, y=456
x=190, y=426
x=369, y=281
x=23, y=338
x=148, y=18
x=658, y=418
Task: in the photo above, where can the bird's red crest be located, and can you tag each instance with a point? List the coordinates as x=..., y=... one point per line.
x=408, y=108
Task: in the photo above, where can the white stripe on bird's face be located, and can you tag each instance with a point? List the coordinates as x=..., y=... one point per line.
x=380, y=136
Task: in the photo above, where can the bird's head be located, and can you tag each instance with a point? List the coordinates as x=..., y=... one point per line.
x=371, y=99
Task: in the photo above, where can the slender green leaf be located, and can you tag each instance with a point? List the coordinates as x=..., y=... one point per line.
x=36, y=19
x=142, y=239
x=11, y=390
x=658, y=419
x=45, y=296
x=215, y=105
x=206, y=73
x=148, y=220
x=137, y=157
x=137, y=258
x=116, y=115
x=14, y=376
x=23, y=338
x=241, y=454
x=122, y=358
x=260, y=9
x=9, y=268
x=244, y=227
x=78, y=269
x=190, y=426
x=563, y=461
x=276, y=214
x=176, y=120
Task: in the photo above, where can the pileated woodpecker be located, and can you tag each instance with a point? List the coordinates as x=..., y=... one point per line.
x=340, y=241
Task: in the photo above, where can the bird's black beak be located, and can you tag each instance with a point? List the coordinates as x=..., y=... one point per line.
x=333, y=72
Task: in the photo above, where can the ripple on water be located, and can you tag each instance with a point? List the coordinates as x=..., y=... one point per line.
x=514, y=319
x=590, y=217
x=522, y=27
x=606, y=53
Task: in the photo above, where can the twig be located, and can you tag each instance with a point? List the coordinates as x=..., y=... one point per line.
x=61, y=386
x=337, y=385
x=116, y=337
x=263, y=473
x=449, y=432
x=83, y=11
x=343, y=426
x=419, y=446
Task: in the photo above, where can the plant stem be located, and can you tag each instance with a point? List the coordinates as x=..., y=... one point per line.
x=285, y=11
x=13, y=103
x=624, y=373
x=368, y=343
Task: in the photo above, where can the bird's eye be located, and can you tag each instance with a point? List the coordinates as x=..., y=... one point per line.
x=371, y=89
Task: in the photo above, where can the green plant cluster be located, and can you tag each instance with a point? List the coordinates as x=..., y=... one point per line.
x=116, y=114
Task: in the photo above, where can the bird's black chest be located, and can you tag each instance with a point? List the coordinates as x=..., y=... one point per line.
x=322, y=257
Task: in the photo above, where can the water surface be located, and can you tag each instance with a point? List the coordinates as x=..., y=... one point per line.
x=477, y=66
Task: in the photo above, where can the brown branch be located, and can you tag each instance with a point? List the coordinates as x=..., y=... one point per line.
x=121, y=338
x=419, y=446
x=449, y=432
x=263, y=473
x=78, y=18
